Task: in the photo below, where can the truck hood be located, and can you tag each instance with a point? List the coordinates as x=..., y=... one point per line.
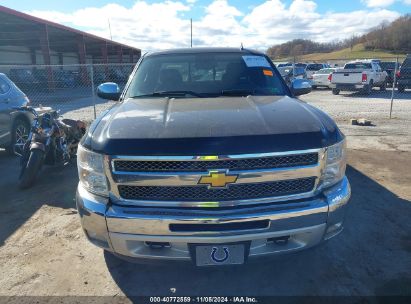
x=200, y=126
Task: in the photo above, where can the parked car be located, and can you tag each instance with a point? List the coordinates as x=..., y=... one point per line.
x=315, y=67
x=322, y=78
x=287, y=64
x=24, y=79
x=359, y=76
x=210, y=170
x=64, y=79
x=14, y=126
x=390, y=67
x=290, y=73
x=118, y=75
x=404, y=75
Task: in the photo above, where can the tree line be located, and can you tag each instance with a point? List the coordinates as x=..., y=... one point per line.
x=393, y=37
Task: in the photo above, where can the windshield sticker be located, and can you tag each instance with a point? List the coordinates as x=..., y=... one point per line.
x=268, y=73
x=256, y=61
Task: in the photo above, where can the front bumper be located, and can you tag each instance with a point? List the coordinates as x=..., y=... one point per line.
x=348, y=86
x=130, y=231
x=404, y=82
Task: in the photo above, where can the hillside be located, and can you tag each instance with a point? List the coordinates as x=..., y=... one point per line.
x=386, y=40
x=358, y=52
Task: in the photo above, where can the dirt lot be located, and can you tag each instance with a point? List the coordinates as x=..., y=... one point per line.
x=44, y=252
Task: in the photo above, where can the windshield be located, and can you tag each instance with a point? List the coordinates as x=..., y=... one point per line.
x=314, y=67
x=388, y=65
x=357, y=66
x=205, y=75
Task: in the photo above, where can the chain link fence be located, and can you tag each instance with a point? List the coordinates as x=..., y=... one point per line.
x=72, y=88
x=68, y=88
x=397, y=78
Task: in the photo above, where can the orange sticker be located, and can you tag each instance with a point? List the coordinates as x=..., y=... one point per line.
x=268, y=73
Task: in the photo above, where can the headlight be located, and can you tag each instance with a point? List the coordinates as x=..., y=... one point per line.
x=335, y=165
x=91, y=171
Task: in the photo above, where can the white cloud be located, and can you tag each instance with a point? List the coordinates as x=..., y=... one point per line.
x=378, y=3
x=167, y=24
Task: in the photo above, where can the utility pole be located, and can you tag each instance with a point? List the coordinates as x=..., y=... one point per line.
x=191, y=24
x=109, y=27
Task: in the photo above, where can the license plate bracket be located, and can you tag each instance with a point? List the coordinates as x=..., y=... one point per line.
x=219, y=254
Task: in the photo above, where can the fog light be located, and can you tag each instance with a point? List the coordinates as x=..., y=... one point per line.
x=333, y=230
x=96, y=239
x=157, y=245
x=282, y=240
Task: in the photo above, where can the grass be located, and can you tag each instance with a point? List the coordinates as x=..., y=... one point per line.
x=358, y=52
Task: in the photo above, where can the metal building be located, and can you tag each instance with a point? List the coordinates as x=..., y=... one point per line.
x=28, y=40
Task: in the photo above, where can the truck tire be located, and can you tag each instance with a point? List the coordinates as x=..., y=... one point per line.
x=19, y=133
x=336, y=91
x=367, y=89
x=31, y=170
x=401, y=88
x=383, y=87
x=314, y=87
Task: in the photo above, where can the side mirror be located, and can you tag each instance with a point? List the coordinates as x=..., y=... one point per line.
x=300, y=87
x=109, y=90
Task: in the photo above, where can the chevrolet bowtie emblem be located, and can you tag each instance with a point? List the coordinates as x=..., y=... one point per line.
x=217, y=179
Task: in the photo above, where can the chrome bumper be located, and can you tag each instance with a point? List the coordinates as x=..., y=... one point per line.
x=348, y=86
x=126, y=230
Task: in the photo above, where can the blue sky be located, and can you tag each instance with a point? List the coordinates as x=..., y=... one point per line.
x=243, y=5
x=155, y=24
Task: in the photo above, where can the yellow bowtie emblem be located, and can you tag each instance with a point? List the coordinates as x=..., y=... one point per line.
x=217, y=179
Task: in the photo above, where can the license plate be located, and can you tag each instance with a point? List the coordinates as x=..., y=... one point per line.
x=212, y=255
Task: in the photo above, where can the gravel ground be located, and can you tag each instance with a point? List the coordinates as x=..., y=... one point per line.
x=43, y=251
x=387, y=134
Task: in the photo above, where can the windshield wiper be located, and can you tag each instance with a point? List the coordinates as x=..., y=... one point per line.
x=170, y=93
x=237, y=92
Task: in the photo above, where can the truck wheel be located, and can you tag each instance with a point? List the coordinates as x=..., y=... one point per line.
x=314, y=87
x=367, y=89
x=29, y=172
x=383, y=87
x=336, y=91
x=401, y=88
x=19, y=134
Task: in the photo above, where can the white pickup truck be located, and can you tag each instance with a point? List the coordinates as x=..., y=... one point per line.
x=359, y=76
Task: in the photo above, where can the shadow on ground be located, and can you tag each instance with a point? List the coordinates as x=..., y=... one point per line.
x=377, y=94
x=366, y=259
x=53, y=187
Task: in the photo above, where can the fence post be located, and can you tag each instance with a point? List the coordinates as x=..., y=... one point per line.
x=393, y=86
x=93, y=91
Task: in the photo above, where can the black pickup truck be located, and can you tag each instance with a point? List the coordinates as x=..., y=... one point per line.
x=209, y=157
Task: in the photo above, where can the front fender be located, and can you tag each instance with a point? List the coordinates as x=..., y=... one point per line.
x=37, y=146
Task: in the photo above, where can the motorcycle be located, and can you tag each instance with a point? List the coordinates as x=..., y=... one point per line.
x=52, y=141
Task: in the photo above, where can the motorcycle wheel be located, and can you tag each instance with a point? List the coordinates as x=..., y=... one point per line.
x=32, y=167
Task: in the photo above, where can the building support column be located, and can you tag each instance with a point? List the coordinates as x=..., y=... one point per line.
x=104, y=55
x=61, y=60
x=45, y=49
x=84, y=77
x=33, y=56
x=120, y=54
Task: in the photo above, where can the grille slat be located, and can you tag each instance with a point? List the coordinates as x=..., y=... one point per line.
x=203, y=194
x=283, y=161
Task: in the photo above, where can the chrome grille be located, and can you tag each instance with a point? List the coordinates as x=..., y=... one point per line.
x=282, y=161
x=204, y=194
